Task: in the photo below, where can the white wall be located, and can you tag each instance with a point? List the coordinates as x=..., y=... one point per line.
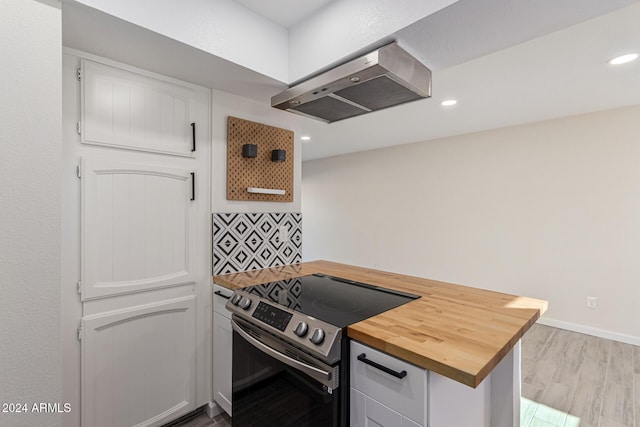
x=30, y=120
x=229, y=30
x=226, y=104
x=223, y=28
x=344, y=27
x=548, y=210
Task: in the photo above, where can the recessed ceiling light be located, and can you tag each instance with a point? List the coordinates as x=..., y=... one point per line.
x=448, y=102
x=305, y=138
x=623, y=59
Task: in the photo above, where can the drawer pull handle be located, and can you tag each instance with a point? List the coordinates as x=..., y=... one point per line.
x=221, y=295
x=363, y=359
x=193, y=137
x=193, y=186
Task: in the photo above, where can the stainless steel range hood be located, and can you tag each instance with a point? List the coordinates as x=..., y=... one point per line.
x=383, y=78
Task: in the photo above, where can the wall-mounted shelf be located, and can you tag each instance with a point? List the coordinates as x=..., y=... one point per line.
x=256, y=190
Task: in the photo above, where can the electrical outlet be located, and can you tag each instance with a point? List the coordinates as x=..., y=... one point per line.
x=284, y=233
x=592, y=302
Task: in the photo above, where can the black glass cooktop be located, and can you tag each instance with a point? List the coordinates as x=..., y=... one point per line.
x=337, y=301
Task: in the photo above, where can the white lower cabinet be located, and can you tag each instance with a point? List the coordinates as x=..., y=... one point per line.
x=423, y=398
x=397, y=398
x=222, y=349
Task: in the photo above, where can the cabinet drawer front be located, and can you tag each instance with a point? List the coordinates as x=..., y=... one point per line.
x=407, y=395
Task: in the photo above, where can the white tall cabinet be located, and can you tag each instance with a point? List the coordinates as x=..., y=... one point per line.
x=139, y=237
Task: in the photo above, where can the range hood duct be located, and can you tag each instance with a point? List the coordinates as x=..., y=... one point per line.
x=383, y=78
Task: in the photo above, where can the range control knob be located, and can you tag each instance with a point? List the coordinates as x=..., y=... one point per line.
x=317, y=336
x=235, y=299
x=301, y=329
x=245, y=303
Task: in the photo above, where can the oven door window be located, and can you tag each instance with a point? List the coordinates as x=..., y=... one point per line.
x=267, y=392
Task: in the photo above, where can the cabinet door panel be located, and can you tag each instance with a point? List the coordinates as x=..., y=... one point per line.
x=137, y=364
x=406, y=422
x=357, y=408
x=138, y=228
x=378, y=415
x=128, y=110
x=367, y=412
x=222, y=353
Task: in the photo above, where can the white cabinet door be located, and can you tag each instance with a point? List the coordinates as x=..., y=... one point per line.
x=406, y=422
x=127, y=110
x=367, y=412
x=138, y=365
x=222, y=363
x=138, y=224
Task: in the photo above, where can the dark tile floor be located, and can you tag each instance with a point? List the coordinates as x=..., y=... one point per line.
x=203, y=420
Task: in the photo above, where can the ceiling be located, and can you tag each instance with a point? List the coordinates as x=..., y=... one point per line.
x=507, y=62
x=285, y=13
x=562, y=73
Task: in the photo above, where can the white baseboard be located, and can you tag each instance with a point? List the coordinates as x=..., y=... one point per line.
x=213, y=409
x=629, y=339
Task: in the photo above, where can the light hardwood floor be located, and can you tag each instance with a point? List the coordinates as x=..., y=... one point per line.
x=568, y=380
x=571, y=379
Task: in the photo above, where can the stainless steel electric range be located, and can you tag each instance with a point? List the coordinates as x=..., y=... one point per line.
x=291, y=352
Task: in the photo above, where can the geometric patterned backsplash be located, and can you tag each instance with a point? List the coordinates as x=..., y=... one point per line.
x=289, y=298
x=250, y=241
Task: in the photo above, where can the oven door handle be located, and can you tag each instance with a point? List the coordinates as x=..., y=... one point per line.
x=312, y=371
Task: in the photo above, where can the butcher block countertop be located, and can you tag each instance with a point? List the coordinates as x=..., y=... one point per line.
x=457, y=331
